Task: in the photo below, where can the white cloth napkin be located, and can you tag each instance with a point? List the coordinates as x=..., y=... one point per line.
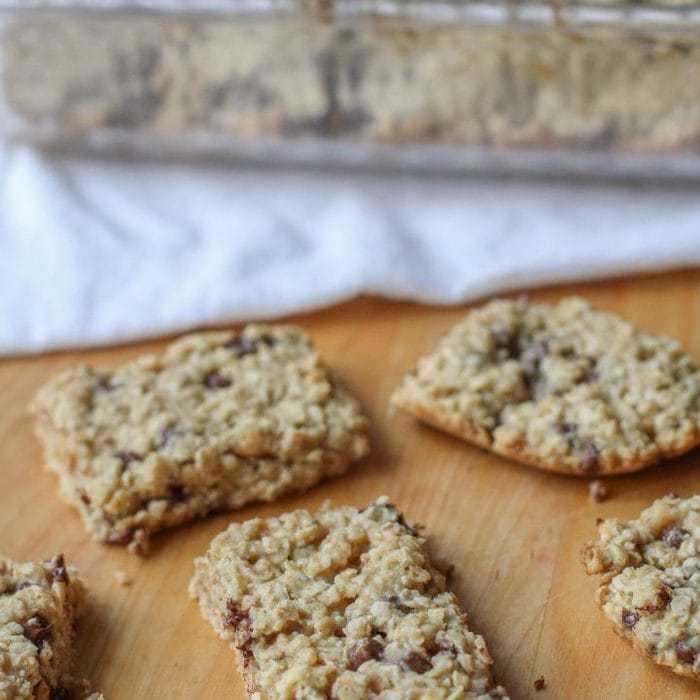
x=105, y=251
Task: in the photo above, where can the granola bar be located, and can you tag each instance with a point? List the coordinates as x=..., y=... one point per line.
x=650, y=581
x=215, y=81
x=217, y=421
x=564, y=388
x=343, y=603
x=39, y=603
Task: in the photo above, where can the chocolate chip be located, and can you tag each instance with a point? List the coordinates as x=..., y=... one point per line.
x=597, y=491
x=591, y=376
x=539, y=683
x=599, y=521
x=104, y=384
x=60, y=575
x=242, y=345
x=505, y=340
x=177, y=494
x=126, y=458
x=84, y=497
x=244, y=646
x=413, y=661
x=684, y=652
x=629, y=619
x=394, y=512
x=60, y=694
x=502, y=337
x=529, y=367
x=589, y=457
x=532, y=355
x=214, y=380
x=530, y=360
x=166, y=435
x=395, y=600
x=672, y=494
x=442, y=646
x=364, y=650
x=239, y=620
x=235, y=615
x=674, y=535
x=663, y=595
x=565, y=427
x=402, y=521
x=37, y=629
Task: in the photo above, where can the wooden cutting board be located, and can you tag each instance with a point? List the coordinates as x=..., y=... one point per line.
x=512, y=532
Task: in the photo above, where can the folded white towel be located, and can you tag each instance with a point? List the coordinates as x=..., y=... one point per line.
x=103, y=251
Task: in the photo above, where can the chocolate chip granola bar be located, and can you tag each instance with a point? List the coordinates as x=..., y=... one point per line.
x=339, y=604
x=39, y=603
x=564, y=388
x=217, y=421
x=650, y=581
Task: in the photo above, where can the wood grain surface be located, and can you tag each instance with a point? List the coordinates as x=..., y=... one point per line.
x=512, y=532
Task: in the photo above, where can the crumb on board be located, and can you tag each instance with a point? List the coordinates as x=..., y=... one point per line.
x=597, y=491
x=539, y=683
x=139, y=543
x=123, y=578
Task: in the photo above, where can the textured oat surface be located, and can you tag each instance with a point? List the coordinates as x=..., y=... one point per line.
x=341, y=604
x=566, y=388
x=650, y=587
x=217, y=421
x=39, y=603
